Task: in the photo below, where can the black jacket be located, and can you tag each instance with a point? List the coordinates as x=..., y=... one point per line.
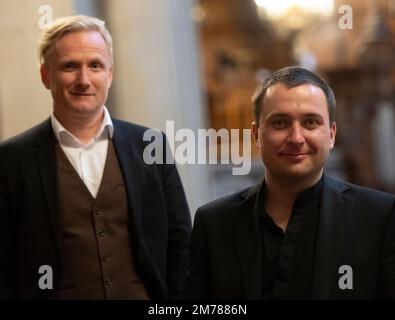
x=29, y=215
x=356, y=228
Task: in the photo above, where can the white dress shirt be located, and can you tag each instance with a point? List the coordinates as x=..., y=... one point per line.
x=87, y=159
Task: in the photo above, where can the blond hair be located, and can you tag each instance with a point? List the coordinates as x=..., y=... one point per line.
x=65, y=25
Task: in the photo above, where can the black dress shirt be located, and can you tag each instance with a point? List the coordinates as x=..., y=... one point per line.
x=288, y=257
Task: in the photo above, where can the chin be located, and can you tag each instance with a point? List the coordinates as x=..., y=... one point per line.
x=84, y=108
x=297, y=173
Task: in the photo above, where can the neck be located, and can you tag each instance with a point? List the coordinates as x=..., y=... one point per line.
x=280, y=195
x=83, y=127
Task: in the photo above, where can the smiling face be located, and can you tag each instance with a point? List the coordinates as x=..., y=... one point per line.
x=294, y=135
x=78, y=74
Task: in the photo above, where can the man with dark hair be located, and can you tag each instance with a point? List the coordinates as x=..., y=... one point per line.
x=299, y=234
x=83, y=215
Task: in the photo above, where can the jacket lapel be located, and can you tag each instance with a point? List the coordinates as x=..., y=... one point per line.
x=248, y=244
x=46, y=162
x=334, y=211
x=128, y=161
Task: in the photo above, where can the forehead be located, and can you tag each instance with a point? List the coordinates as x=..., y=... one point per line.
x=80, y=43
x=302, y=98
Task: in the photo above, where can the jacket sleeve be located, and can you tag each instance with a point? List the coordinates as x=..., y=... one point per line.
x=180, y=226
x=5, y=242
x=387, y=278
x=197, y=285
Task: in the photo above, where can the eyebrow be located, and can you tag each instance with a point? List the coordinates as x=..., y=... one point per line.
x=78, y=62
x=313, y=115
x=287, y=115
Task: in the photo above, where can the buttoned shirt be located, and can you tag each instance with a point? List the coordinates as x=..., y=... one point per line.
x=288, y=257
x=88, y=159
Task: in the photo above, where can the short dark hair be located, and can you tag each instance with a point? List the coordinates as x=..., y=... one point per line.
x=293, y=77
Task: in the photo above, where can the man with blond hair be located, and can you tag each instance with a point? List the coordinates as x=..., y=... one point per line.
x=83, y=216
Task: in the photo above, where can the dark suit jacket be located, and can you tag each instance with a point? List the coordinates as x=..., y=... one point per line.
x=356, y=228
x=31, y=230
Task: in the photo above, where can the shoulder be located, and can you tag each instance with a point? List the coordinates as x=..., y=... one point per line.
x=362, y=194
x=228, y=204
x=137, y=133
x=128, y=127
x=26, y=139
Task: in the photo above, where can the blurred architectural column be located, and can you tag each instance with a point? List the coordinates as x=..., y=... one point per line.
x=384, y=126
x=156, y=74
x=376, y=55
x=23, y=99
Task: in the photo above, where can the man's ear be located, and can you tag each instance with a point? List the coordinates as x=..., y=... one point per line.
x=254, y=128
x=333, y=135
x=45, y=76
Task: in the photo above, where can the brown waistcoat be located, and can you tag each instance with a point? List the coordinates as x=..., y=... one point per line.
x=97, y=247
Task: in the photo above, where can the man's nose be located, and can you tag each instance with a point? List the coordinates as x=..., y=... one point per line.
x=296, y=134
x=83, y=79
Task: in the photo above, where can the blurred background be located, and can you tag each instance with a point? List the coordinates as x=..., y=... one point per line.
x=197, y=63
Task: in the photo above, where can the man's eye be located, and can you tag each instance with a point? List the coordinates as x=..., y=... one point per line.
x=96, y=66
x=279, y=123
x=69, y=66
x=311, y=123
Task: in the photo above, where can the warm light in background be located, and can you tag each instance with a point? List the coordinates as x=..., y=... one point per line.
x=281, y=7
x=288, y=16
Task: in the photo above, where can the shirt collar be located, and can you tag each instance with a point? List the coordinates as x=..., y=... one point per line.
x=303, y=198
x=309, y=195
x=65, y=137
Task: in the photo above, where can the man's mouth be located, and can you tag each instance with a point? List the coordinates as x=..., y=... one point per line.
x=82, y=94
x=295, y=156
